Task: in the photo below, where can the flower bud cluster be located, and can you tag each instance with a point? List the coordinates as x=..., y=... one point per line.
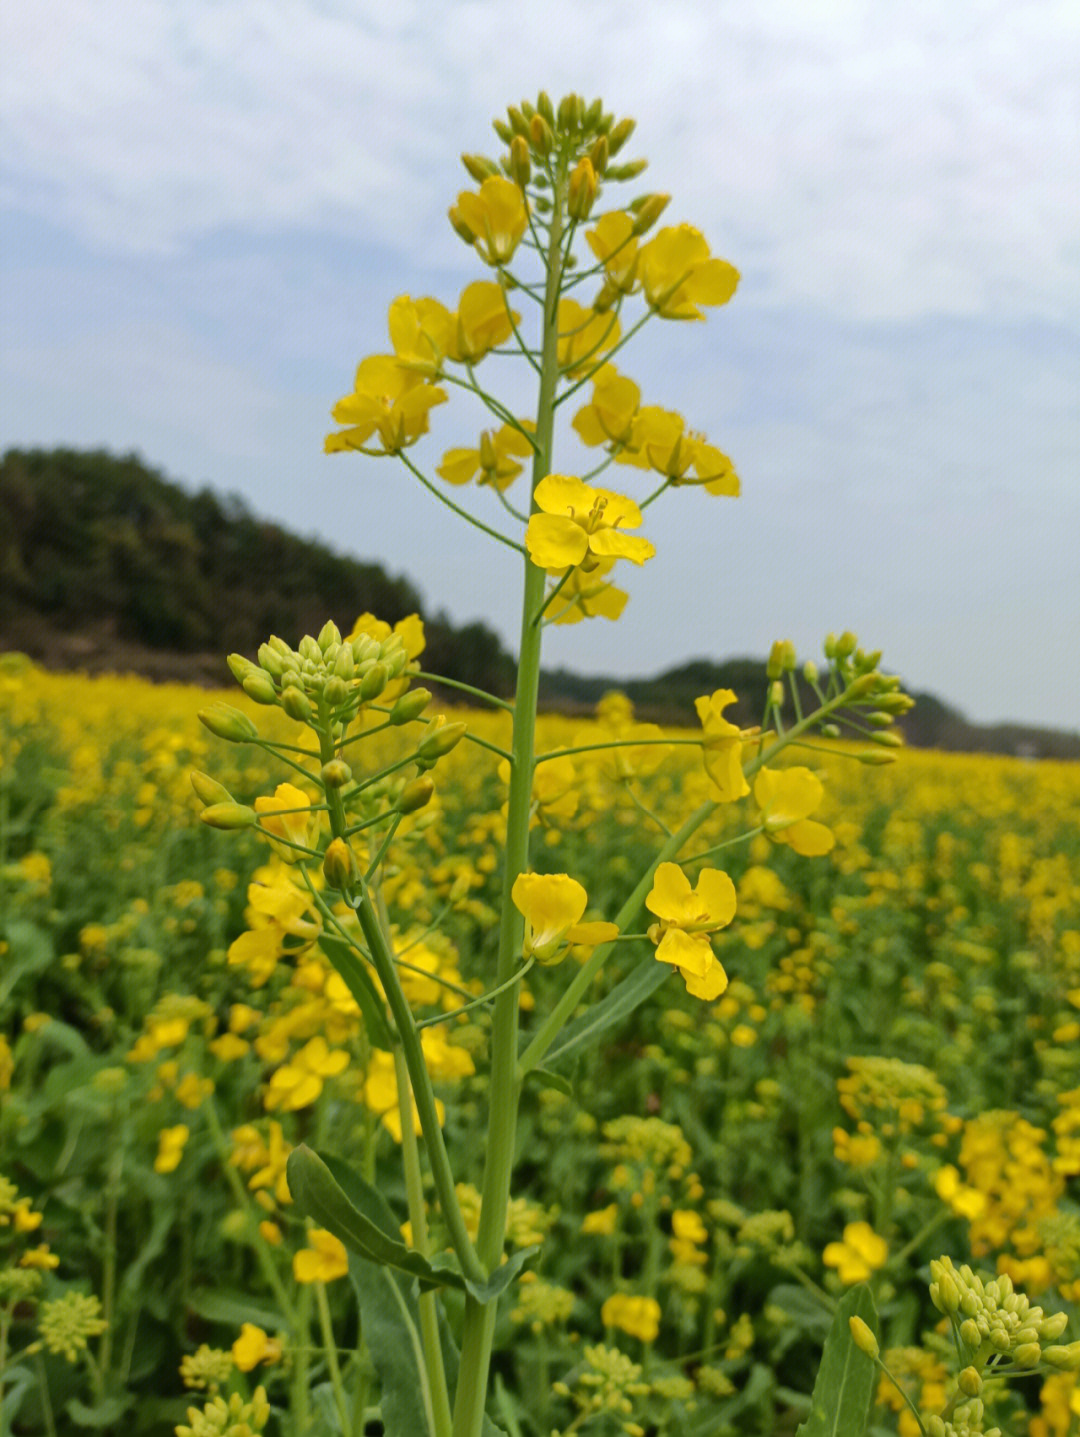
x=534, y=132
x=991, y=1318
x=324, y=679
x=967, y=1421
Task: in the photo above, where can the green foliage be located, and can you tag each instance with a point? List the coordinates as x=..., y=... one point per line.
x=845, y=1382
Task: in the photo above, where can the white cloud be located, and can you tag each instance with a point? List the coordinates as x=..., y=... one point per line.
x=879, y=161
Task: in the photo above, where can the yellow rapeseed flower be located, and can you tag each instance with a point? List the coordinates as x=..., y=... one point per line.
x=324, y=1261
x=171, y=1142
x=637, y=1316
x=678, y=274
x=860, y=1254
x=580, y=524
x=389, y=401
x=687, y=917
x=496, y=218
x=786, y=797
x=552, y=905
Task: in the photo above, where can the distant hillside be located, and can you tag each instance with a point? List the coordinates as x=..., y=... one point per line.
x=107, y=565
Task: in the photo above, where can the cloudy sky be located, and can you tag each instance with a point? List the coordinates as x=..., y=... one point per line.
x=207, y=206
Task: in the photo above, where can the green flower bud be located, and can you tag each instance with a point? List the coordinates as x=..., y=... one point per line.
x=260, y=687
x=999, y=1339
x=336, y=773
x=520, y=165
x=438, y=739
x=241, y=668
x=503, y=130
x=879, y=719
x=335, y=691
x=296, y=704
x=410, y=706
x=598, y=155
x=480, y=167
x=229, y=815
x=541, y=136
x=648, y=212
x=627, y=172
x=1028, y=1354
x=581, y=194
x=776, y=693
x=874, y=756
x=208, y=789
x=328, y=634
x=1065, y=1359
x=887, y=740
x=545, y=107
x=944, y=1294
x=344, y=663
x=619, y=134
x=228, y=723
x=271, y=661
x=365, y=647
x=280, y=647
x=1051, y=1328
x=415, y=795
x=970, y=1382
x=568, y=113
x=896, y=703
x=592, y=115
x=863, y=685
x=935, y=1427
x=373, y=682
x=309, y=649
x=518, y=123
x=846, y=644
x=970, y=1335
x=810, y=671
x=862, y=1337
x=339, y=865
x=832, y=730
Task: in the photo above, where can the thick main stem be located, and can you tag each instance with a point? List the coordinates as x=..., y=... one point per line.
x=505, y=1088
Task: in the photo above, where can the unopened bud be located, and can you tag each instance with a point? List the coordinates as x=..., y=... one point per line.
x=545, y=107
x=1051, y=1328
x=339, y=864
x=582, y=191
x=970, y=1382
x=648, y=212
x=242, y=668
x=520, y=163
x=260, y=687
x=810, y=671
x=271, y=661
x=309, y=649
x=540, y=135
x=863, y=685
x=503, y=130
x=336, y=691
x=229, y=815
x=781, y=658
x=438, y=739
x=598, y=155
x=210, y=792
x=627, y=172
x=336, y=773
x=568, y=113
x=409, y=706
x=862, y=1337
x=896, y=703
x=461, y=229
x=872, y=757
x=887, y=740
x=592, y=115
x=619, y=134
x=776, y=694
x=328, y=634
x=344, y=663
x=296, y=704
x=879, y=719
x=373, y=682
x=970, y=1335
x=415, y=795
x=480, y=167
x=518, y=123
x=1065, y=1359
x=945, y=1295
x=832, y=730
x=228, y=723
x=846, y=644
x=1028, y=1354
x=829, y=646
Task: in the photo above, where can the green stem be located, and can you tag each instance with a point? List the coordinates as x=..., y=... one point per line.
x=466, y=689
x=479, y=1329
x=458, y=510
x=429, y=1316
x=327, y=1329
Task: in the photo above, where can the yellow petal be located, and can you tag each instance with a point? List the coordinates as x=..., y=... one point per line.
x=555, y=543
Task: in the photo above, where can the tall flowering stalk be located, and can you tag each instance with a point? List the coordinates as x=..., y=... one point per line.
x=572, y=280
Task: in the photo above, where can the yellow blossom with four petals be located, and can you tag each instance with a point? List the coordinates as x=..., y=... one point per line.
x=579, y=524
x=687, y=917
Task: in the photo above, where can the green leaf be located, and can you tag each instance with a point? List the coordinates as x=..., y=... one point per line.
x=627, y=995
x=840, y=1406
x=503, y=1276
x=545, y=1078
x=232, y=1307
x=390, y=1321
x=358, y=981
x=18, y=1381
x=102, y=1414
x=359, y=1218
x=29, y=950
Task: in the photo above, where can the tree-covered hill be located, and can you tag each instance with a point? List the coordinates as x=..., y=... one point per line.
x=107, y=565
